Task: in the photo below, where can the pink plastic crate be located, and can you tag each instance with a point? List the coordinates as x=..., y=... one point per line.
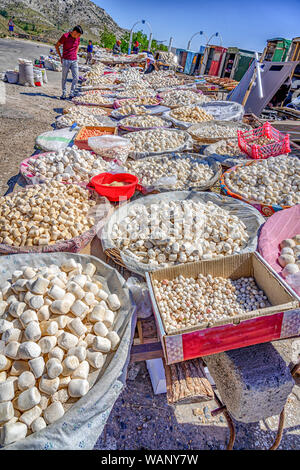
x=247, y=140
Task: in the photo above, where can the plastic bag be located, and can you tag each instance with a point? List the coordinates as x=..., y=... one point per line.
x=26, y=73
x=84, y=421
x=140, y=293
x=224, y=110
x=53, y=141
x=246, y=213
x=111, y=146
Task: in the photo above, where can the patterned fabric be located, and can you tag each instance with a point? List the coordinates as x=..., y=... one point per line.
x=174, y=348
x=290, y=324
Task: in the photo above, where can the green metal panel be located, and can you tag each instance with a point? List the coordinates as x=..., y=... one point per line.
x=242, y=67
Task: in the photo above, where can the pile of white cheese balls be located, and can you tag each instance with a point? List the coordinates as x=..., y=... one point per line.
x=128, y=108
x=275, y=180
x=187, y=302
x=188, y=171
x=214, y=130
x=156, y=140
x=45, y=214
x=82, y=118
x=95, y=98
x=71, y=165
x=289, y=258
x=143, y=121
x=190, y=114
x=182, y=97
x=56, y=328
x=175, y=232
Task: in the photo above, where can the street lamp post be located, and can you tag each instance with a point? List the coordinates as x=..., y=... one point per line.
x=189, y=43
x=131, y=34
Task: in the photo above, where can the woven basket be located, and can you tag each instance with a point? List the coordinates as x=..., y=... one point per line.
x=212, y=140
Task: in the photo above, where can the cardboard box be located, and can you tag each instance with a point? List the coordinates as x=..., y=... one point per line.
x=281, y=320
x=103, y=130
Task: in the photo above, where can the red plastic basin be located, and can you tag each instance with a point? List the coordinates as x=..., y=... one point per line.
x=115, y=193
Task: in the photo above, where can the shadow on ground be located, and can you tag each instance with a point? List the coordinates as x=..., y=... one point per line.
x=140, y=420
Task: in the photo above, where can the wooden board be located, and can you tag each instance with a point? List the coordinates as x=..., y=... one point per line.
x=187, y=382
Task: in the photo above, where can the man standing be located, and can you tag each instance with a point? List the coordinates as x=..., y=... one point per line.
x=89, y=54
x=70, y=42
x=117, y=48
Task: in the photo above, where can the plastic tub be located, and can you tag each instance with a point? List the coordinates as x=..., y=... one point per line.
x=115, y=193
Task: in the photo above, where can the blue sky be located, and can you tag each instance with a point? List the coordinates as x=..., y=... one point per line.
x=245, y=24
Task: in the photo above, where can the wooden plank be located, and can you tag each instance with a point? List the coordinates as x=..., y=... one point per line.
x=187, y=383
x=143, y=352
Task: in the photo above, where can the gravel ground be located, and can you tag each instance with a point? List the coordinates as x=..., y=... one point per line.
x=140, y=419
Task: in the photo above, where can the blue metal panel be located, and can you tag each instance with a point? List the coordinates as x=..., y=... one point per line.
x=189, y=61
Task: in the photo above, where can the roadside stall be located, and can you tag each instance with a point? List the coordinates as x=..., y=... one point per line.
x=236, y=63
x=213, y=60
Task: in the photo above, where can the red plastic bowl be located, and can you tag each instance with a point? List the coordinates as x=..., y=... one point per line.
x=115, y=193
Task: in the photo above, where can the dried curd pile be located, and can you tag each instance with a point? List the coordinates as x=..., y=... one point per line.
x=143, y=121
x=71, y=165
x=73, y=111
x=156, y=140
x=178, y=232
x=186, y=302
x=188, y=171
x=135, y=91
x=56, y=328
x=162, y=79
x=229, y=147
x=275, y=180
x=289, y=258
x=81, y=119
x=131, y=109
x=182, y=98
x=214, y=130
x=95, y=98
x=190, y=114
x=142, y=100
x=45, y=214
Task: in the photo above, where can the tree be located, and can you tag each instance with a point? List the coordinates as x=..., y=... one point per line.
x=107, y=39
x=4, y=13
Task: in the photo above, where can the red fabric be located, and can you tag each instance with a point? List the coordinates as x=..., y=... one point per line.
x=70, y=46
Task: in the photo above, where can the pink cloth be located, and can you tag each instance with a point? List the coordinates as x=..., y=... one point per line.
x=70, y=46
x=283, y=224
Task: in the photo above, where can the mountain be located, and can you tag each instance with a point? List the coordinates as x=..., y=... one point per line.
x=51, y=17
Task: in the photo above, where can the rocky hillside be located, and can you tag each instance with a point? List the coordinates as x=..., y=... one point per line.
x=50, y=17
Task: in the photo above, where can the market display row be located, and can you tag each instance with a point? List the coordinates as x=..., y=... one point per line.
x=67, y=319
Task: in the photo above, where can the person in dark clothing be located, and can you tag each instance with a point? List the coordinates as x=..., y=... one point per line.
x=151, y=63
x=117, y=48
x=136, y=48
x=89, y=52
